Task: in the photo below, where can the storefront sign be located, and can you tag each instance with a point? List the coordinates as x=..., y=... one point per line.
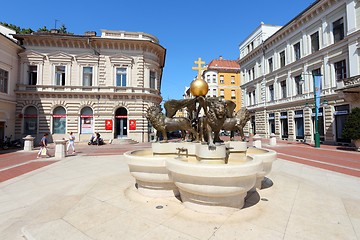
x=343, y=112
x=283, y=117
x=59, y=116
x=108, y=124
x=132, y=124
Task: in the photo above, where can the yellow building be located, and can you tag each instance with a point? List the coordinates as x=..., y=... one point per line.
x=223, y=78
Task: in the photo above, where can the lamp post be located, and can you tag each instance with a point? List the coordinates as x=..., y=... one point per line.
x=317, y=82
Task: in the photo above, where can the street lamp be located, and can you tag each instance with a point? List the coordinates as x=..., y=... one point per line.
x=317, y=82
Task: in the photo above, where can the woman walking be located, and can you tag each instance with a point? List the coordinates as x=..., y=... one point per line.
x=43, y=146
x=71, y=143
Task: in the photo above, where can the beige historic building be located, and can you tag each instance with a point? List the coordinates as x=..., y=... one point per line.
x=9, y=50
x=278, y=72
x=87, y=83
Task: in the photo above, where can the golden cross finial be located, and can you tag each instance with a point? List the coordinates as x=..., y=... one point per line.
x=199, y=68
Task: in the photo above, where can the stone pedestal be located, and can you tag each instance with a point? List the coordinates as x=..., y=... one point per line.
x=257, y=141
x=28, y=143
x=272, y=139
x=60, y=148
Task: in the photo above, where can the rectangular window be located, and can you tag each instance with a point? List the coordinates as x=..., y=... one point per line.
x=152, y=79
x=4, y=79
x=249, y=96
x=270, y=63
x=222, y=79
x=282, y=58
x=253, y=73
x=60, y=75
x=297, y=52
x=254, y=98
x=249, y=75
x=283, y=89
x=32, y=75
x=338, y=30
x=232, y=79
x=271, y=92
x=87, y=76
x=317, y=72
x=214, y=78
x=208, y=78
x=315, y=42
x=222, y=93
x=121, y=77
x=214, y=92
x=340, y=70
x=298, y=85
x=233, y=94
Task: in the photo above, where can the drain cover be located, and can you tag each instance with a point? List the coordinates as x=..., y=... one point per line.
x=159, y=207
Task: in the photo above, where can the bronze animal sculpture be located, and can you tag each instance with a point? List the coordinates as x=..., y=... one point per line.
x=165, y=124
x=237, y=123
x=213, y=121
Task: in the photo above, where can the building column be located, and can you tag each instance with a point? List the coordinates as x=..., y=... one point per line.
x=350, y=16
x=260, y=121
x=308, y=126
x=277, y=125
x=329, y=124
x=291, y=125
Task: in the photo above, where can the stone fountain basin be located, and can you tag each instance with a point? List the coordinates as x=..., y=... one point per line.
x=206, y=186
x=267, y=157
x=203, y=186
x=151, y=175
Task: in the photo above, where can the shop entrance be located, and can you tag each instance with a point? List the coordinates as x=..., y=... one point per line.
x=299, y=124
x=341, y=114
x=121, y=120
x=284, y=125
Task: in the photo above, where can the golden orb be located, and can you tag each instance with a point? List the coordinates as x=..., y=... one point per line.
x=199, y=87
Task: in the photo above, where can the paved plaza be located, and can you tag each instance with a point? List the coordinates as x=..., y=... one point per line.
x=91, y=195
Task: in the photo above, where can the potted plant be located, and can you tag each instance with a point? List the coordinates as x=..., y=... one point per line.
x=351, y=129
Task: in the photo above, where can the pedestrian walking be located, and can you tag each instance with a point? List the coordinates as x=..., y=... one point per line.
x=71, y=143
x=43, y=146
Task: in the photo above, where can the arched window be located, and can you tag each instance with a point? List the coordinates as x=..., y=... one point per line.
x=87, y=120
x=30, y=121
x=59, y=120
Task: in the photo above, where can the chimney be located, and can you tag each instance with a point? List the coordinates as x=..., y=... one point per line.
x=54, y=30
x=220, y=58
x=90, y=33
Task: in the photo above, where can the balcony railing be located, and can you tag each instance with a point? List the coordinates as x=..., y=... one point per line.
x=85, y=89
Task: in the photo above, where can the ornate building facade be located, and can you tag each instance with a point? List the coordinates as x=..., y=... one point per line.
x=223, y=78
x=9, y=50
x=88, y=83
x=278, y=74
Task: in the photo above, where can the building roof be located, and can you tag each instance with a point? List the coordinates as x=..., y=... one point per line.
x=220, y=64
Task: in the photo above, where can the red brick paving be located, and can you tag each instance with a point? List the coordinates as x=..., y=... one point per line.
x=333, y=158
x=22, y=169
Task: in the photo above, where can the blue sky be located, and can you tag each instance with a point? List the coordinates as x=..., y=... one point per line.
x=187, y=29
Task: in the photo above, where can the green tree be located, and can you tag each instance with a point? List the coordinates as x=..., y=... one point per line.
x=43, y=29
x=11, y=26
x=351, y=129
x=62, y=29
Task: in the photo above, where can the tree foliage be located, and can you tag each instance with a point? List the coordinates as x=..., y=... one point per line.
x=17, y=29
x=351, y=129
x=20, y=30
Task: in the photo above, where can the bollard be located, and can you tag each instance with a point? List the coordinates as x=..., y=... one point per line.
x=272, y=139
x=60, y=148
x=28, y=143
x=256, y=141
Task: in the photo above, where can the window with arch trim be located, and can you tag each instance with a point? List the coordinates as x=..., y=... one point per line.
x=30, y=120
x=59, y=120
